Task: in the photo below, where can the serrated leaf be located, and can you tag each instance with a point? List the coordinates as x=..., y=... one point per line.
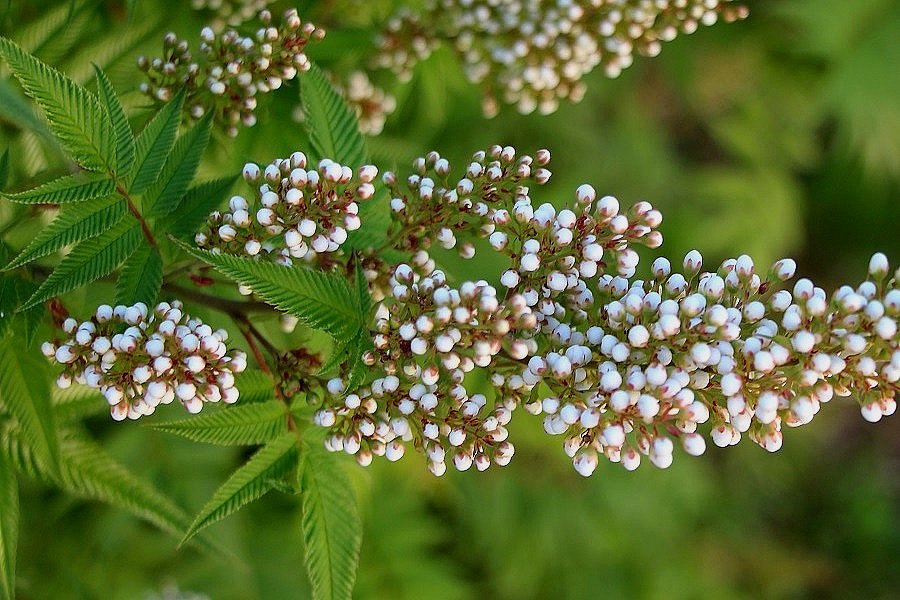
x=331, y=525
x=74, y=114
x=124, y=136
x=87, y=471
x=9, y=528
x=181, y=165
x=331, y=124
x=66, y=190
x=141, y=277
x=25, y=394
x=195, y=206
x=154, y=144
x=74, y=223
x=321, y=300
x=250, y=482
x=90, y=260
x=242, y=425
x=255, y=386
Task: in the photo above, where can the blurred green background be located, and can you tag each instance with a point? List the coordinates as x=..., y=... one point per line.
x=776, y=136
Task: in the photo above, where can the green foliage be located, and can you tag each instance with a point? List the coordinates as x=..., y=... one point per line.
x=321, y=300
x=90, y=260
x=9, y=528
x=25, y=394
x=176, y=175
x=77, y=402
x=195, y=206
x=86, y=470
x=73, y=225
x=124, y=136
x=330, y=123
x=66, y=190
x=331, y=525
x=250, y=482
x=74, y=114
x=141, y=277
x=154, y=144
x=241, y=425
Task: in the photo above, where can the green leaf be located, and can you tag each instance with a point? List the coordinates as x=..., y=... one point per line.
x=141, y=277
x=87, y=471
x=321, y=300
x=243, y=425
x=90, y=260
x=124, y=136
x=331, y=525
x=195, y=206
x=74, y=223
x=154, y=144
x=77, y=402
x=330, y=123
x=25, y=394
x=250, y=482
x=66, y=190
x=163, y=196
x=74, y=114
x=254, y=385
x=9, y=528
x=4, y=168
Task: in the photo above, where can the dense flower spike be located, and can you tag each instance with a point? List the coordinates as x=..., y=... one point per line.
x=295, y=213
x=534, y=53
x=140, y=358
x=727, y=347
x=371, y=104
x=232, y=70
x=620, y=366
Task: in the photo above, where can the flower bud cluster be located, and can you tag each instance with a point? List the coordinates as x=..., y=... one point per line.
x=556, y=253
x=231, y=70
x=432, y=207
x=231, y=12
x=371, y=104
x=429, y=337
x=535, y=53
x=140, y=358
x=668, y=355
x=296, y=212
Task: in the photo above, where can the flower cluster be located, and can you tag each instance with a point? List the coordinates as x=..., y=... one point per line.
x=295, y=213
x=533, y=53
x=232, y=70
x=620, y=366
x=231, y=12
x=371, y=104
x=430, y=336
x=663, y=356
x=139, y=359
x=433, y=207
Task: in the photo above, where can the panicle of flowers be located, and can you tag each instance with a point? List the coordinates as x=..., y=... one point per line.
x=431, y=207
x=429, y=337
x=232, y=70
x=231, y=12
x=534, y=53
x=295, y=213
x=140, y=358
x=371, y=104
x=663, y=356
